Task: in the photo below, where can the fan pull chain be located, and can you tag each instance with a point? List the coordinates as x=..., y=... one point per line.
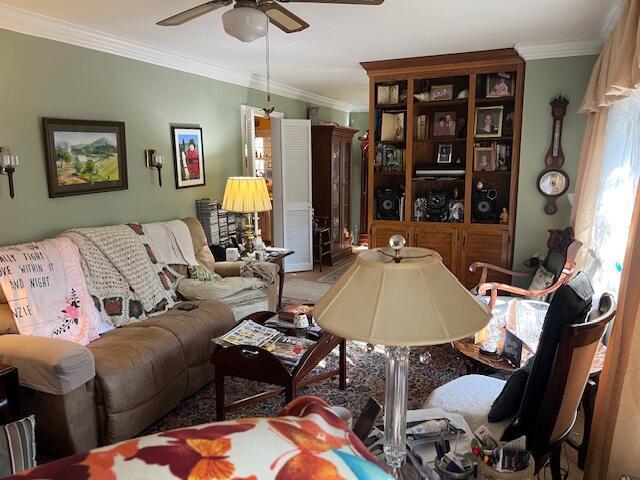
x=268, y=109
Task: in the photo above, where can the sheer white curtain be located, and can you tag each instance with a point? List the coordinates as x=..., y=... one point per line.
x=616, y=195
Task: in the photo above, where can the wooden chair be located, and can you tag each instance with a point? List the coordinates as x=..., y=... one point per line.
x=321, y=239
x=555, y=385
x=560, y=261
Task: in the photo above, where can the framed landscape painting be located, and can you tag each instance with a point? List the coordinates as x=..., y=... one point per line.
x=84, y=156
x=188, y=155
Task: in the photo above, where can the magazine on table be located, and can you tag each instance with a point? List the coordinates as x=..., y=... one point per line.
x=287, y=348
x=249, y=333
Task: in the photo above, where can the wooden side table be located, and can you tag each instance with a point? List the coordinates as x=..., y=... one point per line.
x=278, y=259
x=9, y=389
x=255, y=363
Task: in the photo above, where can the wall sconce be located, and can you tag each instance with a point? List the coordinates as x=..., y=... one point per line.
x=8, y=163
x=154, y=160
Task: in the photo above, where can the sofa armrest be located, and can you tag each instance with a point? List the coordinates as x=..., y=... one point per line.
x=48, y=365
x=228, y=269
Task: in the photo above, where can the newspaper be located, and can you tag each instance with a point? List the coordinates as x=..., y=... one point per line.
x=287, y=348
x=249, y=333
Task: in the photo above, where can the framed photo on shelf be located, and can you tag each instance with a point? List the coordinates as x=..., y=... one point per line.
x=392, y=129
x=383, y=94
x=444, y=124
x=489, y=121
x=500, y=85
x=188, y=155
x=394, y=93
x=84, y=156
x=484, y=159
x=445, y=152
x=441, y=92
x=393, y=161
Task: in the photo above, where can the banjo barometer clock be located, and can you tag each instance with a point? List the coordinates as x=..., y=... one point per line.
x=553, y=181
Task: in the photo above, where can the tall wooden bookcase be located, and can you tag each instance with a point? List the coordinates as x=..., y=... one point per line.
x=420, y=173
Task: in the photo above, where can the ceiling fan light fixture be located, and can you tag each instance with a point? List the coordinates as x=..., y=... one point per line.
x=245, y=23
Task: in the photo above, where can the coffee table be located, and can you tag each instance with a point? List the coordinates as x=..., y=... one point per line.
x=256, y=363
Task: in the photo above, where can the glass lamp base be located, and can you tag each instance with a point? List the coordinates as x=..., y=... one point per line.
x=395, y=406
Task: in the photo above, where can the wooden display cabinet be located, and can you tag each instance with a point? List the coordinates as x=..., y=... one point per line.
x=331, y=158
x=462, y=221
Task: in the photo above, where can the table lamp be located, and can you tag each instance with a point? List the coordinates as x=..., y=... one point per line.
x=399, y=297
x=247, y=195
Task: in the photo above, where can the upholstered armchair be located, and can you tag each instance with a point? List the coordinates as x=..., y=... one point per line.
x=555, y=270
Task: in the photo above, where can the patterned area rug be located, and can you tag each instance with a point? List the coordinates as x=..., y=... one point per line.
x=365, y=374
x=335, y=274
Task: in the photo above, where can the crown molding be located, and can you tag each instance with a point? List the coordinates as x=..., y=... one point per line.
x=42, y=26
x=560, y=49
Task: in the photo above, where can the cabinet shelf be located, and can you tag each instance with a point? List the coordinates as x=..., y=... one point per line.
x=441, y=103
x=392, y=106
x=442, y=140
x=494, y=101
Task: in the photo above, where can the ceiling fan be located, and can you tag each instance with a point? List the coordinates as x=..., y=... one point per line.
x=248, y=19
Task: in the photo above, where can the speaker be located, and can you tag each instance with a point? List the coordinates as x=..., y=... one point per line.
x=388, y=203
x=484, y=205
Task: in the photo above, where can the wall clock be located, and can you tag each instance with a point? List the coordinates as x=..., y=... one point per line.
x=553, y=181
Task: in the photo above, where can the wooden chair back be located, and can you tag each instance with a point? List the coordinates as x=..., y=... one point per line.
x=569, y=375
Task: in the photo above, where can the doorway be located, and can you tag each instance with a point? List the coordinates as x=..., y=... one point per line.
x=256, y=148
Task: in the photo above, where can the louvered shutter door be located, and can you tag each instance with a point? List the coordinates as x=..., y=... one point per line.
x=249, y=147
x=293, y=210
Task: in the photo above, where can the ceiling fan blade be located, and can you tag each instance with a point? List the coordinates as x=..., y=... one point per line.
x=192, y=13
x=337, y=2
x=281, y=17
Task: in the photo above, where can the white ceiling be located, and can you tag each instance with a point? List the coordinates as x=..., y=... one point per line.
x=324, y=59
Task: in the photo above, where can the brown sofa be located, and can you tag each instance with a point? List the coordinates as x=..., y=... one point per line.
x=122, y=382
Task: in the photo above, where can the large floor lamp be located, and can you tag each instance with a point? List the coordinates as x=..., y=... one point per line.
x=246, y=195
x=399, y=298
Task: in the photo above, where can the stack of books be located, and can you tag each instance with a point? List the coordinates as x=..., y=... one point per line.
x=219, y=225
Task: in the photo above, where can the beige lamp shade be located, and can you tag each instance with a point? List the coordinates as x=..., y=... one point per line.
x=246, y=195
x=415, y=302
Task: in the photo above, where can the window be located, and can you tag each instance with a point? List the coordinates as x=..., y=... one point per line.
x=614, y=207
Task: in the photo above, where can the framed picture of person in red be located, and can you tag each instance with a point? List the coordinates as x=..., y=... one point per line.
x=188, y=156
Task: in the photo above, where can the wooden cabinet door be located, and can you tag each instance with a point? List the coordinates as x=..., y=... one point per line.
x=380, y=234
x=442, y=240
x=489, y=246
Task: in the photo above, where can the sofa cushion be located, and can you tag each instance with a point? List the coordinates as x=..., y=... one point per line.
x=49, y=365
x=200, y=244
x=194, y=329
x=134, y=364
x=7, y=322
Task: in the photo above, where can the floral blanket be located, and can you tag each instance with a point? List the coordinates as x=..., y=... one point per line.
x=47, y=292
x=307, y=440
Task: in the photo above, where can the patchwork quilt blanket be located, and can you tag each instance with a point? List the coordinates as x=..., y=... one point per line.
x=46, y=290
x=307, y=440
x=126, y=280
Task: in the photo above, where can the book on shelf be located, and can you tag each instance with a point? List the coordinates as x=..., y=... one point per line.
x=422, y=123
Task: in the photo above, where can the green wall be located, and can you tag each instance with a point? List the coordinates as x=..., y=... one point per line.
x=545, y=80
x=51, y=79
x=359, y=120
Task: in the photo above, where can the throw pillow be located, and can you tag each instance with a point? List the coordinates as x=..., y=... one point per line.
x=196, y=272
x=506, y=405
x=542, y=279
x=17, y=446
